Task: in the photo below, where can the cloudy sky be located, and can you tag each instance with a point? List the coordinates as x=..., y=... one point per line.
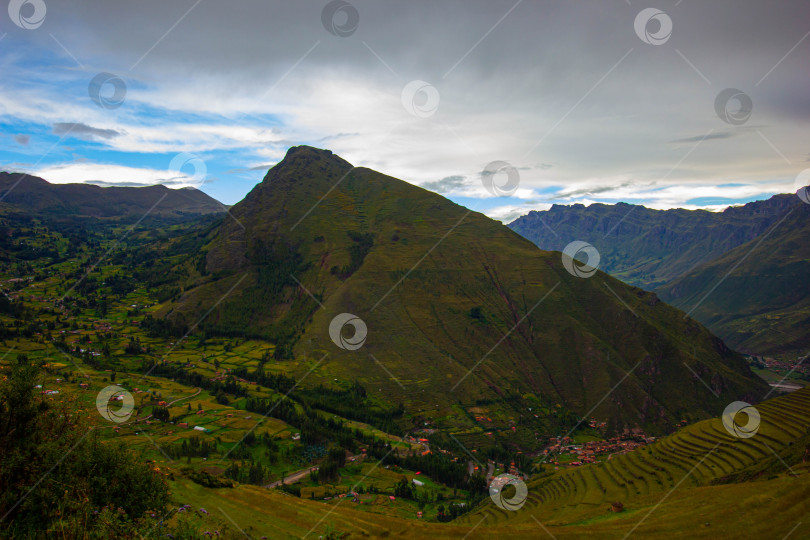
x=681, y=103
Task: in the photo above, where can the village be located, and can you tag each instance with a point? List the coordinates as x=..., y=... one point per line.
x=563, y=451
x=798, y=366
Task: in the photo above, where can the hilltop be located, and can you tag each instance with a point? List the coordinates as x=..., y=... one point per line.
x=462, y=313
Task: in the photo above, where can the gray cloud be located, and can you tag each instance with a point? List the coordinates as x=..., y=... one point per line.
x=704, y=137
x=239, y=170
x=446, y=184
x=570, y=81
x=83, y=130
x=590, y=191
x=104, y=183
x=22, y=139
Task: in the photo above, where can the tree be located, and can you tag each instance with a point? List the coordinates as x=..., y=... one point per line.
x=39, y=498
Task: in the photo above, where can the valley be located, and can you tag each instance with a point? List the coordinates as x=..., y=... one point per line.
x=281, y=435
x=351, y=270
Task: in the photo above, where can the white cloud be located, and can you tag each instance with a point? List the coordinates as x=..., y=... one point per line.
x=87, y=172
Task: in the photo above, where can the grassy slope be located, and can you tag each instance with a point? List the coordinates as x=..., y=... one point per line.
x=762, y=306
x=572, y=349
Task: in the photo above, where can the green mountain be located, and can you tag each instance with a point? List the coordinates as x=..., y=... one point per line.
x=650, y=248
x=461, y=312
x=755, y=296
x=26, y=194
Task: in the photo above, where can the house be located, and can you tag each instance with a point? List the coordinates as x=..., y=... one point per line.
x=417, y=482
x=183, y=424
x=161, y=403
x=200, y=412
x=200, y=428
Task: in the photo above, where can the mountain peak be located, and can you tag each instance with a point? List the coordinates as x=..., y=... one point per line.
x=304, y=149
x=436, y=284
x=303, y=162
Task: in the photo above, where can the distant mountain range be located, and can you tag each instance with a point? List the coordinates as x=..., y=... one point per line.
x=757, y=295
x=460, y=311
x=649, y=248
x=31, y=194
x=762, y=306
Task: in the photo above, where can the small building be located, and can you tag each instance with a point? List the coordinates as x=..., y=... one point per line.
x=182, y=424
x=417, y=482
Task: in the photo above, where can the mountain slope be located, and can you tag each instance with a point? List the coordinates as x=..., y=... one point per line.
x=33, y=195
x=444, y=291
x=703, y=454
x=756, y=296
x=649, y=248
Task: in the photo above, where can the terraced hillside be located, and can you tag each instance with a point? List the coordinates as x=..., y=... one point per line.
x=747, y=488
x=703, y=454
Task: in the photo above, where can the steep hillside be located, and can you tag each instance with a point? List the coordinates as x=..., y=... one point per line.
x=756, y=296
x=460, y=311
x=701, y=455
x=33, y=195
x=649, y=248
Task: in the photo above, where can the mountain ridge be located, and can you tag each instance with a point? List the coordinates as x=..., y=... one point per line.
x=32, y=194
x=646, y=247
x=756, y=294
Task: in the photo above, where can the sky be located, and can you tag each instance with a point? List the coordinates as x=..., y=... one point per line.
x=502, y=106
